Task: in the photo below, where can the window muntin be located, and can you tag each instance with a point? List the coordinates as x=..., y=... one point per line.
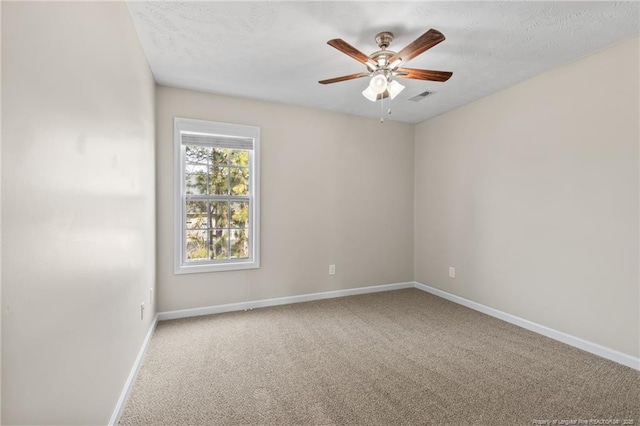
x=218, y=197
x=217, y=203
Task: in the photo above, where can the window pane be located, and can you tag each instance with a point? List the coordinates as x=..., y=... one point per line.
x=240, y=243
x=219, y=181
x=219, y=156
x=219, y=243
x=196, y=179
x=239, y=157
x=197, y=154
x=239, y=214
x=196, y=245
x=219, y=214
x=196, y=214
x=239, y=181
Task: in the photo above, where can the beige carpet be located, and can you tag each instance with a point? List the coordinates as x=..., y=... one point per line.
x=400, y=357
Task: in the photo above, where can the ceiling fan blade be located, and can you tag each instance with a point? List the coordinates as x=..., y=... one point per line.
x=423, y=43
x=349, y=50
x=430, y=75
x=344, y=78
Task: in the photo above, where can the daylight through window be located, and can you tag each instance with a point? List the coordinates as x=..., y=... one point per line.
x=218, y=196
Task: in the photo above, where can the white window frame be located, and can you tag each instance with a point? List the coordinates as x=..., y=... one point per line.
x=181, y=266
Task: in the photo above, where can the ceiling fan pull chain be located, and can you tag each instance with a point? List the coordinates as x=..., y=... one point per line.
x=381, y=109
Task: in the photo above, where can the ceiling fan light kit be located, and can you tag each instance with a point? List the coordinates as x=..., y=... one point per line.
x=391, y=90
x=370, y=94
x=378, y=83
x=394, y=89
x=384, y=65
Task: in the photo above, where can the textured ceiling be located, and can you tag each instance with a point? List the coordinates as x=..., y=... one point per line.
x=277, y=51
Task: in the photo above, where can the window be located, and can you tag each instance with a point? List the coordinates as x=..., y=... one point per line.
x=216, y=196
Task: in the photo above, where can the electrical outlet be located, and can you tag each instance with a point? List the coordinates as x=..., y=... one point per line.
x=142, y=311
x=452, y=272
x=151, y=296
x=332, y=269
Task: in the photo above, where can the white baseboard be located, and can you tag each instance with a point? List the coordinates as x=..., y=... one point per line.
x=241, y=306
x=577, y=342
x=569, y=339
x=117, y=412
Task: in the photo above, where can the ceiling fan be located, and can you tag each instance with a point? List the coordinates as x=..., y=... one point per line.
x=384, y=65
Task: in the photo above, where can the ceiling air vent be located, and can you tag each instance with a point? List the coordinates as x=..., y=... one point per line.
x=421, y=96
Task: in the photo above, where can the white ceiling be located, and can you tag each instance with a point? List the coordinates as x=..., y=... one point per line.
x=277, y=51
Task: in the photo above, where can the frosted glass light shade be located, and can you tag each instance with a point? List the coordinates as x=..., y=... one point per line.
x=394, y=88
x=370, y=94
x=378, y=83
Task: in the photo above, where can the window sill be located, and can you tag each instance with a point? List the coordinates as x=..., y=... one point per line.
x=219, y=267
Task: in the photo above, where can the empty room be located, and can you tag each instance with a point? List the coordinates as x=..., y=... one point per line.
x=297, y=213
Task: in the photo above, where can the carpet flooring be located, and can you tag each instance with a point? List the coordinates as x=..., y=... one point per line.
x=394, y=358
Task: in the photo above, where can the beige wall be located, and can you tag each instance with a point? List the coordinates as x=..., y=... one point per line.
x=532, y=194
x=77, y=207
x=334, y=189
